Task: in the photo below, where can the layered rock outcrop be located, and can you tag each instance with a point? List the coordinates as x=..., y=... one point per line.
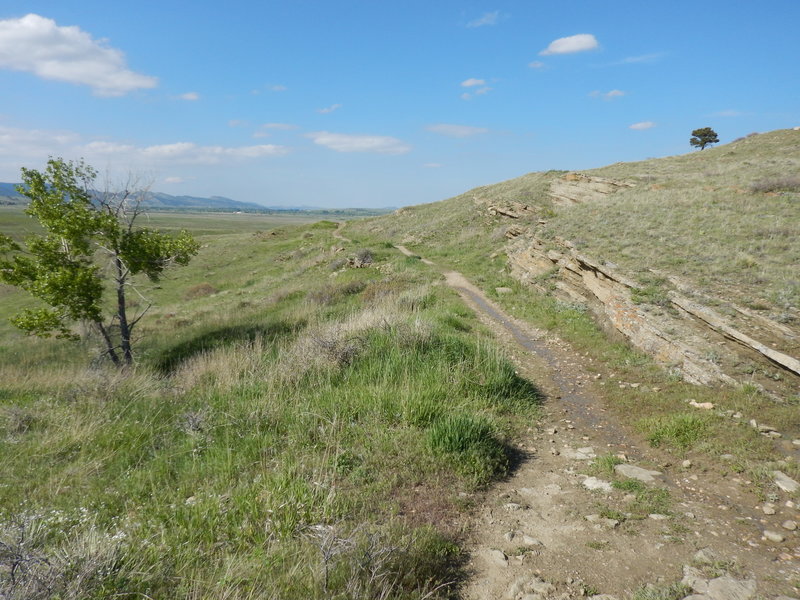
x=682, y=333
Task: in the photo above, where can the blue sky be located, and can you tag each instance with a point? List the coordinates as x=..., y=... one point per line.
x=379, y=103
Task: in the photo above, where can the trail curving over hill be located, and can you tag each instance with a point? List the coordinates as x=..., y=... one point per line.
x=556, y=530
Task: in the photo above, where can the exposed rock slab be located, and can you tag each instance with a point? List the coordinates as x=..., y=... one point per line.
x=576, y=188
x=638, y=473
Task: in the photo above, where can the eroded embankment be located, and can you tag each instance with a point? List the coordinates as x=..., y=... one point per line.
x=679, y=328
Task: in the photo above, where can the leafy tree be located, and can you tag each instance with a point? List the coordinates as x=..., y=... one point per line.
x=90, y=243
x=703, y=137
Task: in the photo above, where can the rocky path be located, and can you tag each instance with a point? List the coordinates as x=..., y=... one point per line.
x=558, y=529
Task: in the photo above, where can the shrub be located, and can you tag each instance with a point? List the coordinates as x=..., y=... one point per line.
x=471, y=442
x=201, y=290
x=680, y=430
x=776, y=184
x=365, y=256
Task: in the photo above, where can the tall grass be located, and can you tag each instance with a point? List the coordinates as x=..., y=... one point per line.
x=276, y=450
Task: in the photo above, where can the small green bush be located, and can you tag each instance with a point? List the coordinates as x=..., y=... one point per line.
x=680, y=430
x=472, y=444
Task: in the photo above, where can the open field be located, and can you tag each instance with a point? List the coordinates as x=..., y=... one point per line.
x=298, y=428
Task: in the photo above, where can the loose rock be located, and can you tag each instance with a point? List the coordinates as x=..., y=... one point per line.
x=790, y=525
x=593, y=483
x=638, y=473
x=773, y=536
x=786, y=483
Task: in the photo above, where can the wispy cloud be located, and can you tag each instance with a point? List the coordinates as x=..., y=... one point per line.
x=536, y=64
x=456, y=131
x=38, y=45
x=432, y=165
x=489, y=18
x=174, y=180
x=265, y=129
x=728, y=113
x=278, y=88
x=643, y=58
x=569, y=45
x=343, y=142
x=607, y=95
x=190, y=96
x=472, y=82
x=642, y=125
x=24, y=147
x=329, y=109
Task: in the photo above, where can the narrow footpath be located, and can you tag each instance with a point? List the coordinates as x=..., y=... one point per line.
x=556, y=530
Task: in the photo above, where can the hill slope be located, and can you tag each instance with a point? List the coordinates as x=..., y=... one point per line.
x=653, y=239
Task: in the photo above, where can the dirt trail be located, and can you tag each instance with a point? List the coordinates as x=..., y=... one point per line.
x=543, y=534
x=337, y=233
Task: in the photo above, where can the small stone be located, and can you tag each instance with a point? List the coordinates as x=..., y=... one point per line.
x=753, y=424
x=768, y=509
x=658, y=517
x=498, y=557
x=786, y=483
x=531, y=541
x=513, y=506
x=511, y=535
x=687, y=464
x=765, y=428
x=593, y=483
x=773, y=434
x=705, y=556
x=737, y=415
x=638, y=473
x=552, y=431
x=702, y=405
x=727, y=456
x=790, y=525
x=728, y=588
x=773, y=536
x=503, y=290
x=796, y=443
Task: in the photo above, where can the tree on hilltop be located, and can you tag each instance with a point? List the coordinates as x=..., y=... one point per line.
x=90, y=242
x=703, y=137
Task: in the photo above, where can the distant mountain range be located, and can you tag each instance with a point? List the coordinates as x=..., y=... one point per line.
x=161, y=201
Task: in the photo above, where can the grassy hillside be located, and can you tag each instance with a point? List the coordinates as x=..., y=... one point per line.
x=727, y=219
x=294, y=428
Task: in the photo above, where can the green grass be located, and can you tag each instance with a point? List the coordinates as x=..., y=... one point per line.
x=291, y=433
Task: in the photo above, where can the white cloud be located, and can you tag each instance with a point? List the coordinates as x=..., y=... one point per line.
x=483, y=90
x=489, y=18
x=343, y=142
x=190, y=153
x=329, y=109
x=466, y=96
x=278, y=88
x=607, y=95
x=432, y=165
x=457, y=131
x=174, y=180
x=568, y=45
x=21, y=147
x=281, y=126
x=191, y=96
x=642, y=125
x=644, y=58
x=728, y=113
x=265, y=129
x=37, y=45
x=472, y=82
x=536, y=64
